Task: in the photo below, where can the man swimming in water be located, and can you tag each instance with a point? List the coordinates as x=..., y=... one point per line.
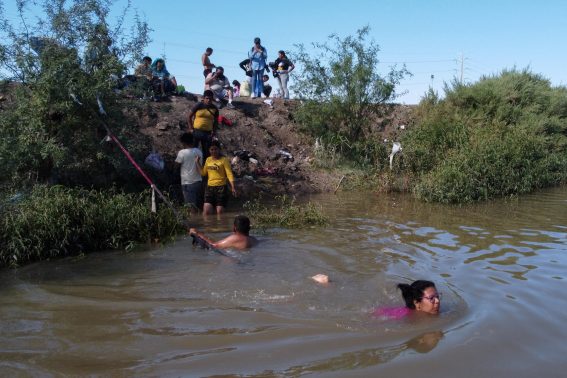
x=239, y=239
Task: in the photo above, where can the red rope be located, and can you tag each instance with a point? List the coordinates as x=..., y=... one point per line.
x=154, y=187
x=125, y=151
x=138, y=168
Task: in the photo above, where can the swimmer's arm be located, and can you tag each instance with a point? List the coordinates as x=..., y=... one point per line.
x=228, y=242
x=209, y=241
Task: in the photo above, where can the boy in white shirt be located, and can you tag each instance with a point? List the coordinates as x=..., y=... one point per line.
x=191, y=180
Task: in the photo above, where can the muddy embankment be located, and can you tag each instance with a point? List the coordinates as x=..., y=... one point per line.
x=268, y=152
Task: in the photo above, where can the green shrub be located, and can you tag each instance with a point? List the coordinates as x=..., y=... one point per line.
x=369, y=154
x=503, y=136
x=57, y=221
x=341, y=84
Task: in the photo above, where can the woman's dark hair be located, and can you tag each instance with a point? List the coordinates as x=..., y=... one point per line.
x=146, y=59
x=215, y=143
x=236, y=83
x=208, y=93
x=282, y=52
x=414, y=292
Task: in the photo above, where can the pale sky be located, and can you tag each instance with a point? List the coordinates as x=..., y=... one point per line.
x=438, y=40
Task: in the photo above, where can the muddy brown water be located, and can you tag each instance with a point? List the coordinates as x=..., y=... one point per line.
x=180, y=311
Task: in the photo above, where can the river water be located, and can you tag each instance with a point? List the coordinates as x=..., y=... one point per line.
x=184, y=311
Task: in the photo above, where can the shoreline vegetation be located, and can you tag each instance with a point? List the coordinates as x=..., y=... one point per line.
x=286, y=212
x=55, y=221
x=502, y=136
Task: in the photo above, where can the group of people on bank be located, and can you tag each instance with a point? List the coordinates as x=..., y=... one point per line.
x=254, y=66
x=202, y=122
x=154, y=76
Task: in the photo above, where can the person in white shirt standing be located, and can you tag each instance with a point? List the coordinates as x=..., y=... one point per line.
x=191, y=180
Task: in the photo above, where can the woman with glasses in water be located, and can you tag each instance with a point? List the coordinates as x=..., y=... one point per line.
x=420, y=296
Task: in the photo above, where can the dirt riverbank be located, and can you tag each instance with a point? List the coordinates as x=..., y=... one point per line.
x=268, y=152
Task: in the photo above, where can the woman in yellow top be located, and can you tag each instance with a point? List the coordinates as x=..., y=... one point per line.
x=217, y=169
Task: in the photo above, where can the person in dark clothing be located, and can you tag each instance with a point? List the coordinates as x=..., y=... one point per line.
x=246, y=67
x=267, y=87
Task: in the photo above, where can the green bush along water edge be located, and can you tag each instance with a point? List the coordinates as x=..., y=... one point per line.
x=54, y=221
x=502, y=136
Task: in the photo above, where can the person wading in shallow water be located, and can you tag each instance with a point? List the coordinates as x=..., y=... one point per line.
x=219, y=173
x=239, y=239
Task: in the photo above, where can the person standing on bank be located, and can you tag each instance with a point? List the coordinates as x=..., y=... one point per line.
x=219, y=173
x=284, y=66
x=258, y=55
x=203, y=122
x=206, y=61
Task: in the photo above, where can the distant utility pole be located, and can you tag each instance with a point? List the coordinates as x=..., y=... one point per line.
x=462, y=67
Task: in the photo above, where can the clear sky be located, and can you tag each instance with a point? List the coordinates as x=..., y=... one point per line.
x=432, y=37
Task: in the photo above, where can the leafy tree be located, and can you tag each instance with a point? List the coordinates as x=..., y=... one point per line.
x=341, y=87
x=55, y=66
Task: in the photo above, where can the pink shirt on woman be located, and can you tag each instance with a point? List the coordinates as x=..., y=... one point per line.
x=391, y=312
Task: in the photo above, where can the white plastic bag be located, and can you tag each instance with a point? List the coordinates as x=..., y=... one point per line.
x=245, y=89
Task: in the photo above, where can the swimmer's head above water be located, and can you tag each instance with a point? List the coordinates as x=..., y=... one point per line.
x=421, y=296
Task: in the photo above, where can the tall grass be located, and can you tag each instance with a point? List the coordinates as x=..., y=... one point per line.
x=504, y=135
x=57, y=221
x=286, y=213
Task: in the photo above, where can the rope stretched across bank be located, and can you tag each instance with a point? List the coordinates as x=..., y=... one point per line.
x=155, y=189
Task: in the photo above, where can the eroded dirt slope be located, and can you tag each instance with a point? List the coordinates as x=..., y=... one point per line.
x=267, y=151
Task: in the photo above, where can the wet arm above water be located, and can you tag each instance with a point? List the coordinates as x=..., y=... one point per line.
x=194, y=233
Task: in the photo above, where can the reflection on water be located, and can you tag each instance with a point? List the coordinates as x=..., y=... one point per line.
x=423, y=343
x=190, y=312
